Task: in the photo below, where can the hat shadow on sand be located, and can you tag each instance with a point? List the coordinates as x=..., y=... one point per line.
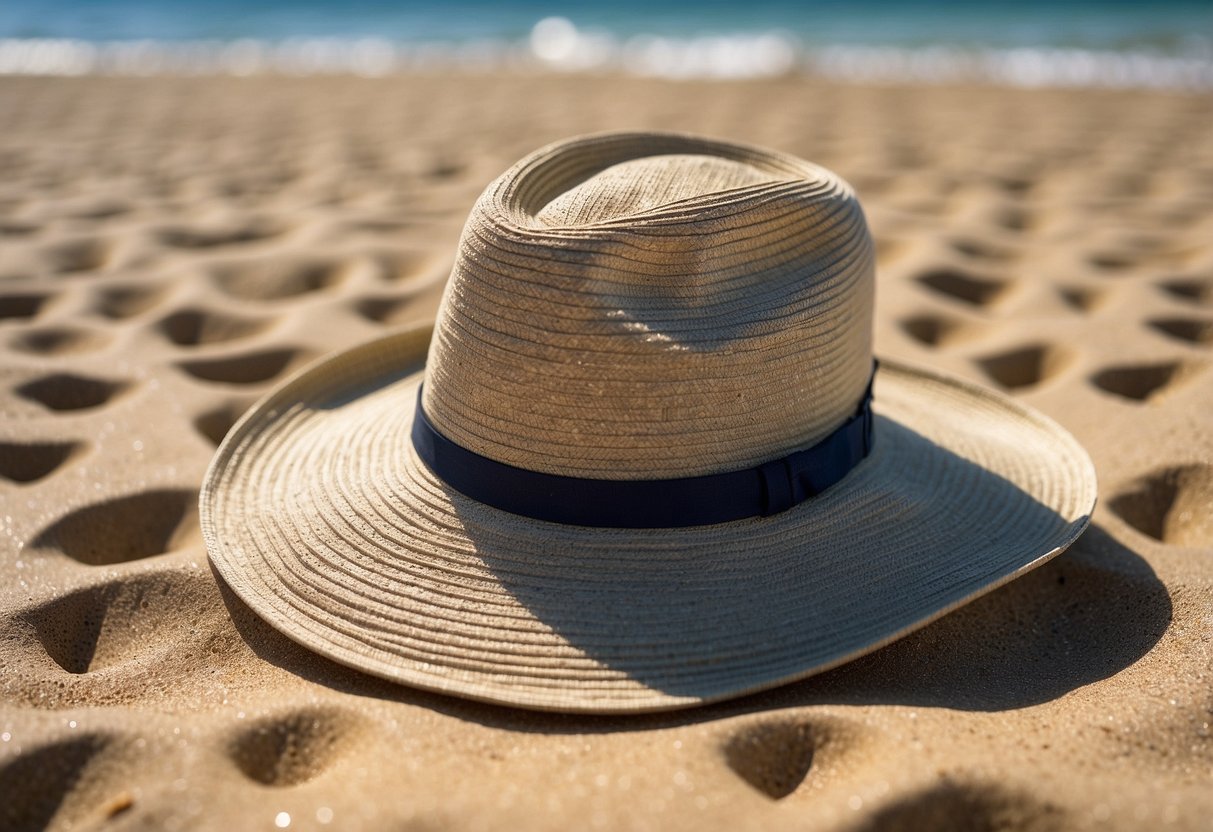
x=1085, y=615
x=1019, y=647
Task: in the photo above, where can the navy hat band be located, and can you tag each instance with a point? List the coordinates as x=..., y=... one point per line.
x=761, y=491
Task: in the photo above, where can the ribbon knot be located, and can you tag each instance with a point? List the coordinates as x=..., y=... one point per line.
x=803, y=474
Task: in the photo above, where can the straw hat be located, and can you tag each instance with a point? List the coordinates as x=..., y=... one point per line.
x=643, y=471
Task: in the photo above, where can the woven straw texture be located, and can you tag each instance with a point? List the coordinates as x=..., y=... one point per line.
x=634, y=307
x=653, y=306
x=319, y=515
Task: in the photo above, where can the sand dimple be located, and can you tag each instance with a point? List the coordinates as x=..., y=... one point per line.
x=1014, y=218
x=202, y=237
x=974, y=807
x=1173, y=505
x=1143, y=382
x=120, y=302
x=979, y=249
x=442, y=169
x=1194, y=290
x=1017, y=186
x=37, y=786
x=18, y=229
x=404, y=266
x=59, y=340
x=277, y=278
x=1081, y=298
x=126, y=528
x=103, y=209
x=247, y=368
x=935, y=330
x=773, y=756
x=293, y=748
x=1025, y=366
x=192, y=327
x=22, y=305
x=1192, y=330
x=79, y=256
x=1112, y=263
x=119, y=623
x=215, y=424
x=961, y=286
x=388, y=310
x=65, y=392
x=26, y=462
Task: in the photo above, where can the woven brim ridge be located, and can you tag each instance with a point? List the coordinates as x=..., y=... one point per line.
x=318, y=514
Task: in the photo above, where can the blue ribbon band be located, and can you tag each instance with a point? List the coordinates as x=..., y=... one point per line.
x=650, y=504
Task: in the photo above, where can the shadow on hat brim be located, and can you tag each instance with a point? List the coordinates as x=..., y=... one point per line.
x=319, y=516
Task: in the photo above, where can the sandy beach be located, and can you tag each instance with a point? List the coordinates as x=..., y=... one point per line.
x=172, y=247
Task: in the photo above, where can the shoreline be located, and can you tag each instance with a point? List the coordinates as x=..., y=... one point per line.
x=573, y=54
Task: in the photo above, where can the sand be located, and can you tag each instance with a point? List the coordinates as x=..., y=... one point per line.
x=169, y=248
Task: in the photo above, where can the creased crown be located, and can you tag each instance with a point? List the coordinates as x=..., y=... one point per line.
x=648, y=306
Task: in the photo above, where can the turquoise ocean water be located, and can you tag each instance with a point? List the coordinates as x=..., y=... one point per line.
x=1075, y=43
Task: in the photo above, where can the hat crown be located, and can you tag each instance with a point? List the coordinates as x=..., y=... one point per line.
x=650, y=306
x=631, y=188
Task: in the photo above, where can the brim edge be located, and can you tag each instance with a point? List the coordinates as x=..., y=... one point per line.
x=659, y=702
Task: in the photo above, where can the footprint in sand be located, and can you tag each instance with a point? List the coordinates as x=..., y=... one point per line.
x=246, y=368
x=1015, y=185
x=103, y=209
x=413, y=268
x=65, y=392
x=122, y=529
x=60, y=784
x=121, y=302
x=772, y=756
x=981, y=249
x=28, y=462
x=22, y=306
x=214, y=424
x=964, y=805
x=1190, y=290
x=1144, y=382
x=964, y=287
x=1112, y=263
x=936, y=330
x=1081, y=298
x=1026, y=366
x=444, y=169
x=1196, y=331
x=1170, y=505
x=61, y=340
x=393, y=310
x=293, y=748
x=16, y=228
x=78, y=256
x=108, y=635
x=204, y=237
x=1013, y=218
x=275, y=278
x=195, y=327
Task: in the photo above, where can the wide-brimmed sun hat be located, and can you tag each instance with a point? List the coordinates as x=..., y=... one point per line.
x=644, y=464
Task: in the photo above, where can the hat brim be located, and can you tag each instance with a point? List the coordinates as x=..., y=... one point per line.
x=318, y=514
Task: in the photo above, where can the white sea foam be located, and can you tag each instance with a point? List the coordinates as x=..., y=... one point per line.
x=557, y=45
